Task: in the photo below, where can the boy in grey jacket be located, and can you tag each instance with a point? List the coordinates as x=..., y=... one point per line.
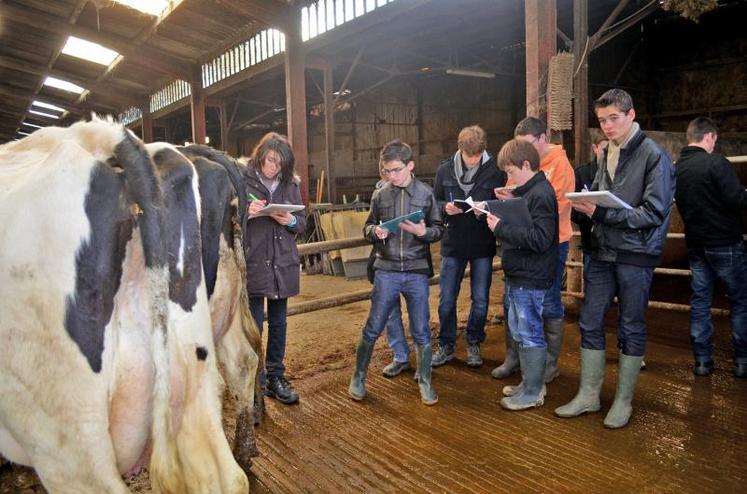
x=626, y=246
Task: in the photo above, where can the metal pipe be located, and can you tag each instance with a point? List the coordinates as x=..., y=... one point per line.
x=653, y=304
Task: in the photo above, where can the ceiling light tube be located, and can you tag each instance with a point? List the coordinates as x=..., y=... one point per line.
x=471, y=73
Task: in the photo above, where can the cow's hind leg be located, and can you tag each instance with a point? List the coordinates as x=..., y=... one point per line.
x=239, y=362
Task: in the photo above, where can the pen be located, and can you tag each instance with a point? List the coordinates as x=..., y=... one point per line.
x=451, y=197
x=253, y=197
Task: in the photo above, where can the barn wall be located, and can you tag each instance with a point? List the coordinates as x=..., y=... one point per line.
x=447, y=104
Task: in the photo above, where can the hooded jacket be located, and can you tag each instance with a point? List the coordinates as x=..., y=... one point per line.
x=644, y=178
x=559, y=173
x=466, y=235
x=272, y=262
x=710, y=198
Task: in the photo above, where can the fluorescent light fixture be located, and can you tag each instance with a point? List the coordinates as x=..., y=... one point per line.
x=64, y=85
x=150, y=7
x=32, y=125
x=471, y=73
x=21, y=133
x=48, y=106
x=87, y=50
x=42, y=114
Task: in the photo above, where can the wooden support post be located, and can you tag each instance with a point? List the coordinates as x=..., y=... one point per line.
x=147, y=122
x=329, y=133
x=581, y=51
x=223, y=127
x=197, y=107
x=541, y=44
x=295, y=105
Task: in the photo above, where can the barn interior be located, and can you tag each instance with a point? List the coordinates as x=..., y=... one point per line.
x=343, y=77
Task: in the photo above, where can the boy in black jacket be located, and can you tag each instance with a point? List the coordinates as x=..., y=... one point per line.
x=470, y=172
x=711, y=198
x=529, y=262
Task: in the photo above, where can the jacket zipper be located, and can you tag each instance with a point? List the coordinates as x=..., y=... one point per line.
x=402, y=234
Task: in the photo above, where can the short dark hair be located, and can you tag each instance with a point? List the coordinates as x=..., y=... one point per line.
x=515, y=152
x=273, y=141
x=395, y=150
x=530, y=126
x=699, y=127
x=615, y=97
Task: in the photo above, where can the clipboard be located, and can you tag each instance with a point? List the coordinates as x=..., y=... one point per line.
x=603, y=198
x=393, y=224
x=511, y=211
x=278, y=208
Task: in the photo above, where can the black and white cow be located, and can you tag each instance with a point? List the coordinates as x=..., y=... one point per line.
x=107, y=353
x=223, y=205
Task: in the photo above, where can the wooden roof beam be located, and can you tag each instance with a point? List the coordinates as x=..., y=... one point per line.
x=30, y=68
x=270, y=12
x=147, y=57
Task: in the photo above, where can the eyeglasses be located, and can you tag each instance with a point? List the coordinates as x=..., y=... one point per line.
x=392, y=171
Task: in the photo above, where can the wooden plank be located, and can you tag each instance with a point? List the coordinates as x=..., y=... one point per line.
x=148, y=57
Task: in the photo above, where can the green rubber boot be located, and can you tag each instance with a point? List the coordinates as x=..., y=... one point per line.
x=427, y=393
x=531, y=392
x=554, y=329
x=592, y=377
x=628, y=370
x=357, y=389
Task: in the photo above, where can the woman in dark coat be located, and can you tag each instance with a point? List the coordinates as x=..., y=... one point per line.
x=272, y=264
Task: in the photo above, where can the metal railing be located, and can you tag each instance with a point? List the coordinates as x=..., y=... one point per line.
x=360, y=295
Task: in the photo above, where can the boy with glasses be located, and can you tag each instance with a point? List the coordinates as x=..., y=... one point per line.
x=401, y=265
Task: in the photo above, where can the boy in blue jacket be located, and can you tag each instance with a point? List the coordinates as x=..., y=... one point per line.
x=529, y=259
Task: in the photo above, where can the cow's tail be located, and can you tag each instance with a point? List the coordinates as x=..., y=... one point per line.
x=251, y=332
x=144, y=191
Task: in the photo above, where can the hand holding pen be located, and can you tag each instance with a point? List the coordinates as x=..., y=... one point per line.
x=450, y=208
x=256, y=204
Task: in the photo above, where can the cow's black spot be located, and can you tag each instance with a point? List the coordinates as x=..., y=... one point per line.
x=201, y=352
x=98, y=263
x=185, y=262
x=216, y=195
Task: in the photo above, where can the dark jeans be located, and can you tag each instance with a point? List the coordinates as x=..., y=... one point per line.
x=395, y=335
x=552, y=307
x=277, y=311
x=728, y=264
x=481, y=277
x=388, y=286
x=602, y=282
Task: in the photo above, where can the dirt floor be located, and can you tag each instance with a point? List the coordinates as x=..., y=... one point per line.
x=686, y=434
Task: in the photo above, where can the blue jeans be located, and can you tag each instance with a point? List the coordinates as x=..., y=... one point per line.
x=395, y=334
x=728, y=264
x=481, y=277
x=525, y=316
x=552, y=307
x=388, y=286
x=602, y=282
x=277, y=311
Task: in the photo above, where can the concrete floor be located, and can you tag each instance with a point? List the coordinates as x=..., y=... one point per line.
x=686, y=434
